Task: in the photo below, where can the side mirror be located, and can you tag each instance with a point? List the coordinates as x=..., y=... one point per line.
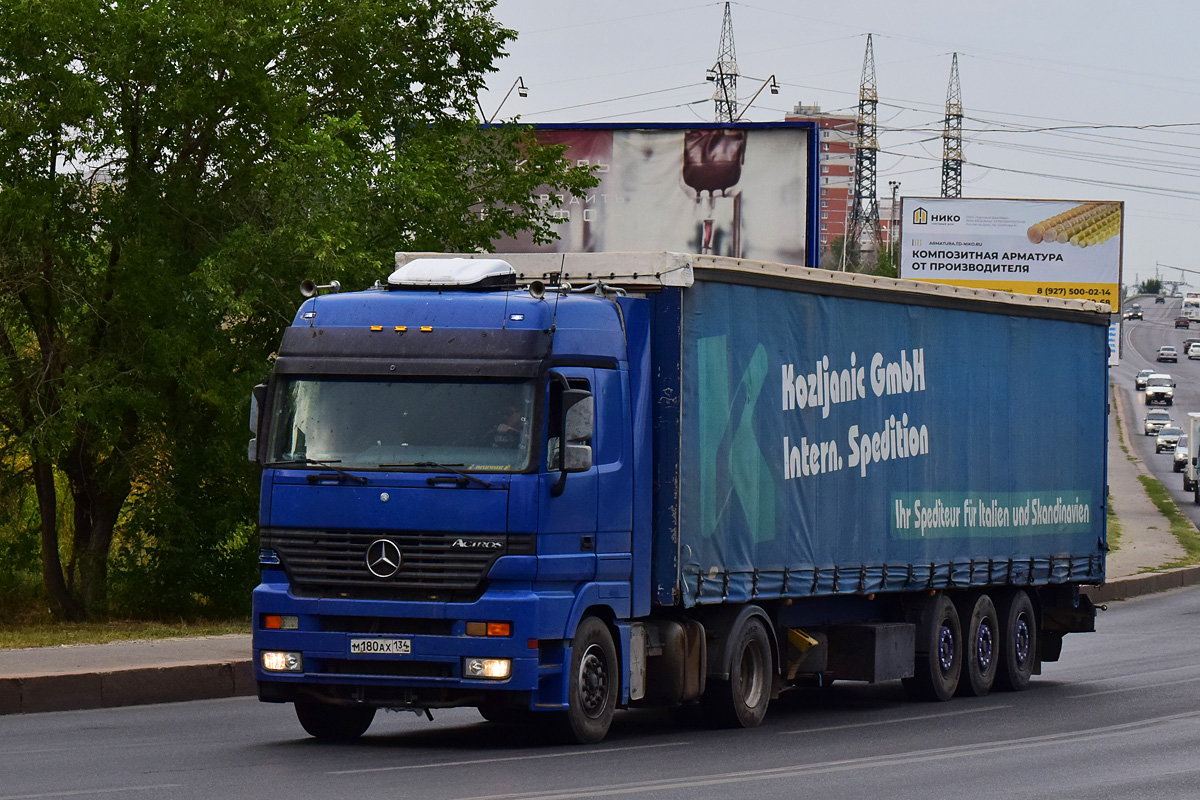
x=571, y=451
x=258, y=400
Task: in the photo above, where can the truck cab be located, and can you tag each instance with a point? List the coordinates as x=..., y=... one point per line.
x=434, y=455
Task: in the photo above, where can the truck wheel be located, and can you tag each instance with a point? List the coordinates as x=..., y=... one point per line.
x=592, y=692
x=981, y=639
x=938, y=662
x=1018, y=651
x=329, y=721
x=741, y=701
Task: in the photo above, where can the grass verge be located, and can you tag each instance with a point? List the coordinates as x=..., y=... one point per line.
x=1114, y=527
x=1181, y=527
x=53, y=634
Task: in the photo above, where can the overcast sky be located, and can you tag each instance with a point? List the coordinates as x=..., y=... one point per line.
x=1062, y=99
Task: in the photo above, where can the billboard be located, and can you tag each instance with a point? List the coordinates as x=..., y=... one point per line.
x=1057, y=248
x=744, y=190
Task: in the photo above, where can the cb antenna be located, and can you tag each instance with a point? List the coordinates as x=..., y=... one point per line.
x=562, y=267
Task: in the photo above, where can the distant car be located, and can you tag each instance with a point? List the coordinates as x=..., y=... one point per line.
x=1160, y=388
x=1181, y=454
x=1168, y=438
x=1183, y=322
x=1168, y=353
x=1156, y=419
x=1139, y=382
x=1160, y=299
x=1193, y=351
x=1188, y=342
x=1133, y=313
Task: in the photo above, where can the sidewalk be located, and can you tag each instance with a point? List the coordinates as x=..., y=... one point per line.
x=169, y=670
x=125, y=673
x=1146, y=541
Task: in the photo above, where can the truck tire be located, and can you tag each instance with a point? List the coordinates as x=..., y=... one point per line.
x=593, y=683
x=1018, y=651
x=334, y=722
x=981, y=644
x=741, y=701
x=939, y=653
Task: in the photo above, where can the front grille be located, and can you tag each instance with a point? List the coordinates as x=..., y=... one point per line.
x=434, y=565
x=387, y=625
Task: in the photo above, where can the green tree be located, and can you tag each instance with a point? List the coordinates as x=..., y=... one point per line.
x=885, y=264
x=1151, y=286
x=169, y=171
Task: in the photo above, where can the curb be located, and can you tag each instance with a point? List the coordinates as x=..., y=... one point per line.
x=1148, y=583
x=126, y=687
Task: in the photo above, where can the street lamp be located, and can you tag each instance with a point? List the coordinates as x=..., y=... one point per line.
x=771, y=82
x=893, y=221
x=522, y=91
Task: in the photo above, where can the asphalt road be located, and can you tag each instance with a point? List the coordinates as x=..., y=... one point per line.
x=1118, y=717
x=1140, y=342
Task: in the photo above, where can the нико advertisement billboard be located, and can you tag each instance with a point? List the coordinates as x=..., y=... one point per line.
x=1057, y=248
x=742, y=190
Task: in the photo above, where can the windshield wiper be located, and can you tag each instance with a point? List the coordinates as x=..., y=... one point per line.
x=320, y=463
x=447, y=467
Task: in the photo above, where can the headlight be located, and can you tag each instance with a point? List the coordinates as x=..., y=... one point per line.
x=282, y=661
x=493, y=668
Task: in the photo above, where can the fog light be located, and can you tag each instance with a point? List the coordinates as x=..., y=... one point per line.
x=280, y=661
x=493, y=668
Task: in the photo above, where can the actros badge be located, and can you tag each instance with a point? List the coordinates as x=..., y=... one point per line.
x=383, y=558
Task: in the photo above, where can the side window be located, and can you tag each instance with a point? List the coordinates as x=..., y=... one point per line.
x=611, y=417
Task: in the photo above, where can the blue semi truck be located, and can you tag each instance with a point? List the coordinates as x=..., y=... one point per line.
x=551, y=487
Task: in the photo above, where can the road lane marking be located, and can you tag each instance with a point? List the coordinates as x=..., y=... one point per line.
x=87, y=792
x=846, y=765
x=535, y=757
x=895, y=721
x=1133, y=688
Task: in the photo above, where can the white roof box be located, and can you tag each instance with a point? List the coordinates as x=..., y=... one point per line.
x=453, y=273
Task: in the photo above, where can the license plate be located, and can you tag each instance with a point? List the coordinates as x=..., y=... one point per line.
x=386, y=647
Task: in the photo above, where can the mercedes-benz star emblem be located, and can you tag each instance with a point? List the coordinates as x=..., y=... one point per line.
x=383, y=558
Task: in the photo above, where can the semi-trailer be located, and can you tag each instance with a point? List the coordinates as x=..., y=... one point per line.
x=555, y=486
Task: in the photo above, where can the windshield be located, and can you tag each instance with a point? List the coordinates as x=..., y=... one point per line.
x=372, y=424
x=1160, y=382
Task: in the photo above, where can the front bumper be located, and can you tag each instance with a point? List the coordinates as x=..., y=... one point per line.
x=430, y=674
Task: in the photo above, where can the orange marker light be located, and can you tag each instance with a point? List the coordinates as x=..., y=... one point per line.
x=426, y=328
x=376, y=328
x=499, y=629
x=272, y=622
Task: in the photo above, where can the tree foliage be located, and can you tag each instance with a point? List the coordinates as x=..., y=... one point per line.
x=169, y=171
x=1151, y=286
